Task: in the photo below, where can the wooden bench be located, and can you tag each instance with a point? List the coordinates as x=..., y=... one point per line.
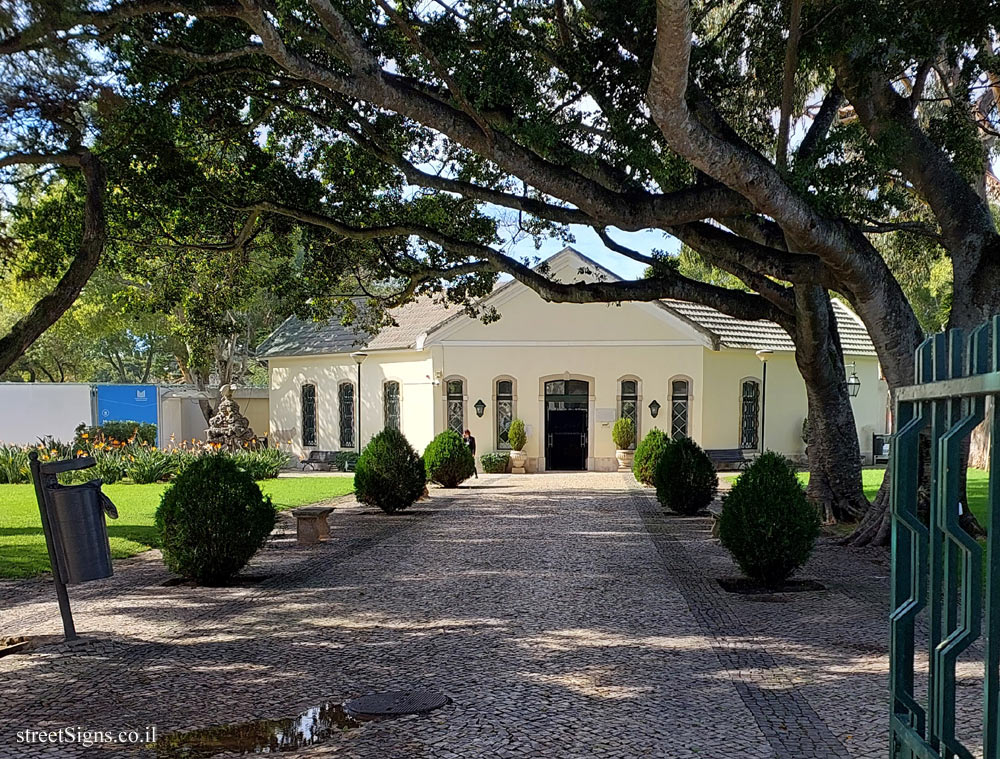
x=319, y=460
x=728, y=457
x=311, y=526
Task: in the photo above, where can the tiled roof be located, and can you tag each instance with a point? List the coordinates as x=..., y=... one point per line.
x=297, y=338
x=758, y=335
x=309, y=338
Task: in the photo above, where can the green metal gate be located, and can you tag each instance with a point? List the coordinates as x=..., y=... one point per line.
x=938, y=567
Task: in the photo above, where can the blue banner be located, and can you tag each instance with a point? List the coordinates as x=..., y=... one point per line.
x=127, y=403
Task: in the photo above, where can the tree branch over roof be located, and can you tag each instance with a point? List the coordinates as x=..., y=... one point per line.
x=736, y=303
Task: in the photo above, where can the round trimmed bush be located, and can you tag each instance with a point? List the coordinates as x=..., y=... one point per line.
x=684, y=477
x=647, y=455
x=767, y=523
x=212, y=520
x=449, y=460
x=495, y=463
x=389, y=473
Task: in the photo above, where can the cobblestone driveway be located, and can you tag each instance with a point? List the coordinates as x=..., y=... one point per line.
x=563, y=614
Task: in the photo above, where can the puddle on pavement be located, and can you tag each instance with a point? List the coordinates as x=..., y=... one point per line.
x=262, y=736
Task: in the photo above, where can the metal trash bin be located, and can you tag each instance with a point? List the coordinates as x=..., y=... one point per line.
x=81, y=535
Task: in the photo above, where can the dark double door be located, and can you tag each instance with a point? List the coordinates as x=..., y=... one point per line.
x=566, y=404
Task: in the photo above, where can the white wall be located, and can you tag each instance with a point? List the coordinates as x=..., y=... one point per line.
x=30, y=410
x=181, y=418
x=412, y=369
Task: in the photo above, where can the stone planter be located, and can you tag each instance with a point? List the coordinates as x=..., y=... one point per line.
x=625, y=459
x=517, y=461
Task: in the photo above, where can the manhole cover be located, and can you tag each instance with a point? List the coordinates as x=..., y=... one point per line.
x=396, y=703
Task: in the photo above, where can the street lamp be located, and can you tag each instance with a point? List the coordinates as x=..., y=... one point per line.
x=764, y=354
x=480, y=407
x=853, y=382
x=654, y=408
x=359, y=358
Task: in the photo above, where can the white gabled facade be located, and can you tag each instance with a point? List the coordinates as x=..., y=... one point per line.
x=535, y=346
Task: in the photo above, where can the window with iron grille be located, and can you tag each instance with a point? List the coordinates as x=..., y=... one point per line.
x=308, y=414
x=346, y=403
x=505, y=413
x=456, y=406
x=630, y=405
x=678, y=409
x=750, y=416
x=390, y=403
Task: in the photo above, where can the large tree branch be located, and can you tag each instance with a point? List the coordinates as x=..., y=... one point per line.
x=735, y=165
x=821, y=125
x=964, y=216
x=46, y=29
x=54, y=304
x=844, y=249
x=788, y=82
x=624, y=210
x=668, y=285
x=766, y=261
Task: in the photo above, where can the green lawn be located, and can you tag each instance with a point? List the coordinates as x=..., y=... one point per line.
x=22, y=545
x=872, y=479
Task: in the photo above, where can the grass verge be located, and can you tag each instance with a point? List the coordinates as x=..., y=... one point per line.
x=22, y=544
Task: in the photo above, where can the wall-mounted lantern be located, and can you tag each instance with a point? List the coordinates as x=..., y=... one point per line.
x=654, y=409
x=854, y=381
x=480, y=407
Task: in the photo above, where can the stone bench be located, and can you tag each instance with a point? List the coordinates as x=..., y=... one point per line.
x=715, y=511
x=310, y=524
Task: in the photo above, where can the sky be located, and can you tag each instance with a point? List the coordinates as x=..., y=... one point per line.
x=588, y=243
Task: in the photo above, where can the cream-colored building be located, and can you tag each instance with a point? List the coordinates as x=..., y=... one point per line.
x=567, y=370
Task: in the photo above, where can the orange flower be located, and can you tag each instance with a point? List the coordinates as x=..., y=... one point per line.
x=81, y=452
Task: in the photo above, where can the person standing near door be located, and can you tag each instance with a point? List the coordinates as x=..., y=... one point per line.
x=471, y=442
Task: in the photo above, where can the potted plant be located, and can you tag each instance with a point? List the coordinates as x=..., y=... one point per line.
x=517, y=437
x=623, y=433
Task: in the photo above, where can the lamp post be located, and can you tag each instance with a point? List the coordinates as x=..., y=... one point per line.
x=763, y=354
x=359, y=358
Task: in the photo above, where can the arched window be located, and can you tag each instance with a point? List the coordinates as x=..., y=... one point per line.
x=679, y=408
x=390, y=404
x=345, y=398
x=308, y=393
x=455, y=389
x=628, y=404
x=505, y=412
x=749, y=414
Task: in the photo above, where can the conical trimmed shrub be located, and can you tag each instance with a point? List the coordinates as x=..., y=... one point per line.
x=767, y=523
x=389, y=473
x=685, y=477
x=448, y=460
x=647, y=455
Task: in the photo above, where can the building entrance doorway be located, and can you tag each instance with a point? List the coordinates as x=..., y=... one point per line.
x=566, y=424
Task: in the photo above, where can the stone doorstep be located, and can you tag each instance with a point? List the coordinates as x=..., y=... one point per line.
x=311, y=526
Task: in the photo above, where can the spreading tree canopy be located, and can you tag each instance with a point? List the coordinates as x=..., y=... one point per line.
x=796, y=146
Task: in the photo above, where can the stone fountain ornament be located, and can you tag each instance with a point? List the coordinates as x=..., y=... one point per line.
x=229, y=429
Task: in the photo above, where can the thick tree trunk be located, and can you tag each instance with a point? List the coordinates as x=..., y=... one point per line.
x=54, y=304
x=835, y=484
x=979, y=446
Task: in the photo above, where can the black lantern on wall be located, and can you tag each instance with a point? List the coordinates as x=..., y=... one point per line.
x=480, y=407
x=853, y=382
x=654, y=408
